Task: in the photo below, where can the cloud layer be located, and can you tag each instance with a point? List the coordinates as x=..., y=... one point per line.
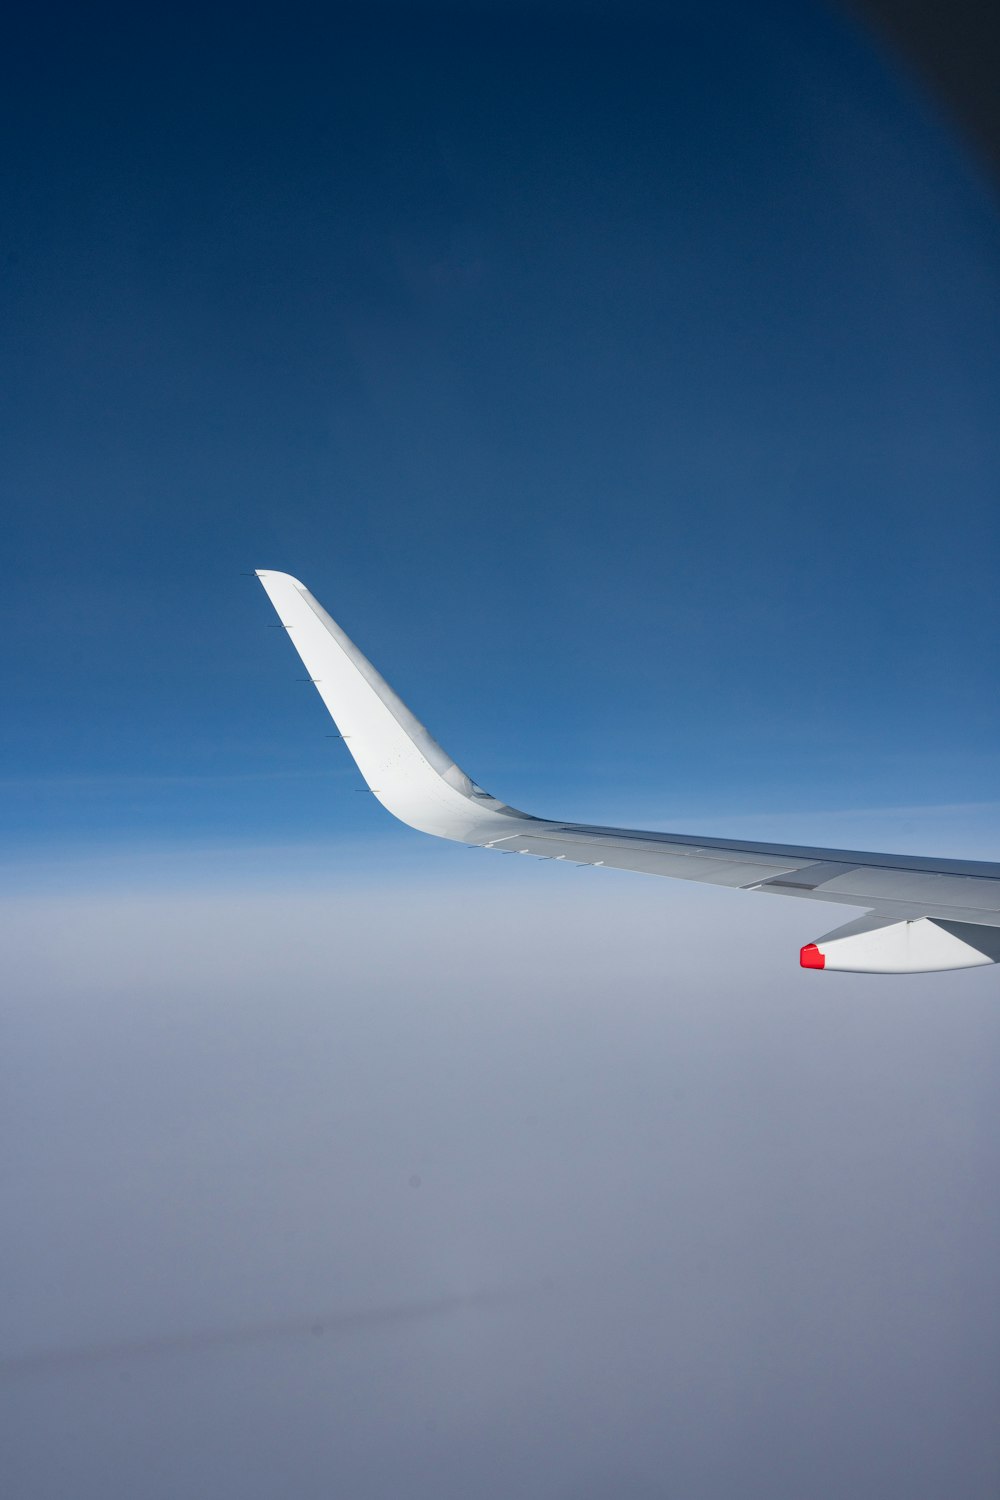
x=589, y=1189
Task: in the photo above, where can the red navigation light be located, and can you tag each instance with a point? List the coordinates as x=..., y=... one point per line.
x=811, y=958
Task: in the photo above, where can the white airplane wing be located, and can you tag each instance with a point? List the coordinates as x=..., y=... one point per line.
x=922, y=914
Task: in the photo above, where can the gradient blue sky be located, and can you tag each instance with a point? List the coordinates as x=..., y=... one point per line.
x=627, y=385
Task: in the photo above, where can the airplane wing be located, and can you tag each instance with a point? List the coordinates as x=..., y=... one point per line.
x=922, y=914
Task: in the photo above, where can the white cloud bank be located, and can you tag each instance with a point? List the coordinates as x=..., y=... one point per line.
x=744, y=1218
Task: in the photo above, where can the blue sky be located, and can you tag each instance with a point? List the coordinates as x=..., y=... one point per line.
x=626, y=386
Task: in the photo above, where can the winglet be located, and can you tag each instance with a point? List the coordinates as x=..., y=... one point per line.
x=408, y=771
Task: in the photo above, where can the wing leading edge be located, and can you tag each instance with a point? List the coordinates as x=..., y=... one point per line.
x=922, y=913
